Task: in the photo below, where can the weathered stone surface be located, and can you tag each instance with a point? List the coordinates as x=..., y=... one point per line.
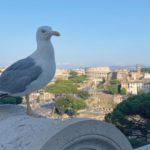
x=21, y=132
x=86, y=134
x=146, y=147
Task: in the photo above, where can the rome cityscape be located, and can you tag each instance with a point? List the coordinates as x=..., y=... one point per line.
x=97, y=82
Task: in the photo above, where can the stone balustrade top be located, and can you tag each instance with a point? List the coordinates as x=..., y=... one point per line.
x=21, y=132
x=146, y=147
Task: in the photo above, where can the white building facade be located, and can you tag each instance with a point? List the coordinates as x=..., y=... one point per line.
x=134, y=87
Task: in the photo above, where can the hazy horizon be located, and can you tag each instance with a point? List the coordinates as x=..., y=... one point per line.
x=112, y=67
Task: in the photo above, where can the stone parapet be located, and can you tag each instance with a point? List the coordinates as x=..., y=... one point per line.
x=21, y=132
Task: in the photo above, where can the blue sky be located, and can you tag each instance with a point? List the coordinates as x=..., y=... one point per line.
x=94, y=32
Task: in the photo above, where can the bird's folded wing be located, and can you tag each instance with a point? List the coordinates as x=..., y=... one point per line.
x=17, y=77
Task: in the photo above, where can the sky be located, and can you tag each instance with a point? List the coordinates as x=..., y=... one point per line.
x=93, y=32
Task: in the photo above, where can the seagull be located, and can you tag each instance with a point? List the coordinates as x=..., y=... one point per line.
x=32, y=73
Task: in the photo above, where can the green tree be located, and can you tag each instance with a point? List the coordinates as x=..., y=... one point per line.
x=115, y=81
x=113, y=86
x=101, y=84
x=62, y=87
x=11, y=100
x=132, y=117
x=123, y=91
x=78, y=79
x=83, y=94
x=72, y=74
x=63, y=104
x=75, y=78
x=146, y=70
x=113, y=89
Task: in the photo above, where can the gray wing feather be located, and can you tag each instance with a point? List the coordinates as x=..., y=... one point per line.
x=17, y=77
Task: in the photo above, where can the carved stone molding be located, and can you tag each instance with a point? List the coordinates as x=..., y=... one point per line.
x=86, y=134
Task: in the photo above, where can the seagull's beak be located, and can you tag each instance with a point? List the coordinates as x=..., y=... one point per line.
x=55, y=33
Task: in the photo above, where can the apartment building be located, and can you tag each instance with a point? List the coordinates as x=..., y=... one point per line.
x=136, y=86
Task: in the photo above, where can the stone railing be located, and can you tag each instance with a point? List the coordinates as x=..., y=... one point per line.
x=21, y=132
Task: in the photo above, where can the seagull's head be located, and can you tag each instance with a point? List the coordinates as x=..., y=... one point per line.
x=45, y=33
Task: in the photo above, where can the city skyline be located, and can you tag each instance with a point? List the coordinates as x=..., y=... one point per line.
x=93, y=33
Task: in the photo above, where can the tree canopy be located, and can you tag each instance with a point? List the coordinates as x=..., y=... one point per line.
x=66, y=86
x=69, y=105
x=74, y=77
x=123, y=91
x=113, y=86
x=132, y=117
x=147, y=70
x=83, y=94
x=11, y=100
x=62, y=87
x=72, y=74
x=115, y=81
x=78, y=79
x=113, y=89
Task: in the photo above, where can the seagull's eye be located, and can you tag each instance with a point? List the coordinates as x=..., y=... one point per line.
x=43, y=31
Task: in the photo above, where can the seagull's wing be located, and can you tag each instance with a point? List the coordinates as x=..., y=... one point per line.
x=17, y=77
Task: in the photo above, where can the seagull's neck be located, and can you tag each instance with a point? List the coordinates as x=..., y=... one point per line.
x=45, y=46
x=44, y=50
